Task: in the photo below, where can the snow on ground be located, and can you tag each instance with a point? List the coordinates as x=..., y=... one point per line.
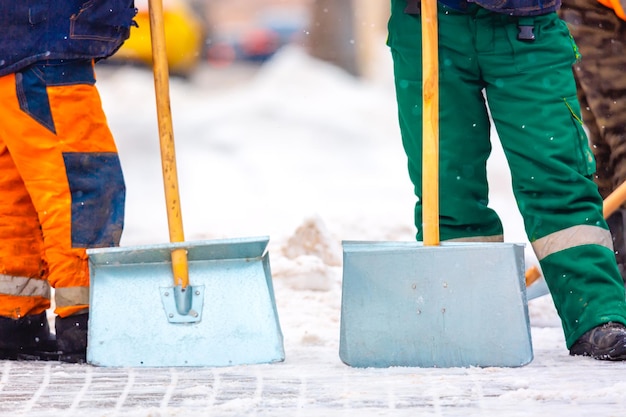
x=305, y=154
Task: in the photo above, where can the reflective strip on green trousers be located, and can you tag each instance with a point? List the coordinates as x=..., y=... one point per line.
x=532, y=101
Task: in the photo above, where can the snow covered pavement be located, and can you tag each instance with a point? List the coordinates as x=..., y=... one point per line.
x=313, y=382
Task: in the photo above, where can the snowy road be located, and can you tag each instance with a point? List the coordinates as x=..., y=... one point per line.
x=305, y=386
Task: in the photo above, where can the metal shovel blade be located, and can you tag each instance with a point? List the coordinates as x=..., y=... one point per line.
x=538, y=289
x=452, y=305
x=226, y=316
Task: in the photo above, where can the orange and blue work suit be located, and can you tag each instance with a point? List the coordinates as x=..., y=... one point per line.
x=61, y=183
x=60, y=175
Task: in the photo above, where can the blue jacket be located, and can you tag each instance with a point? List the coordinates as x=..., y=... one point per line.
x=36, y=30
x=510, y=7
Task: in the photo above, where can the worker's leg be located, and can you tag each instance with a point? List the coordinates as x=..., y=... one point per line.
x=532, y=97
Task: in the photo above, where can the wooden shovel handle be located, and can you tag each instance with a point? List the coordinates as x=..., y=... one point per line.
x=166, y=140
x=614, y=200
x=611, y=203
x=430, y=120
x=532, y=275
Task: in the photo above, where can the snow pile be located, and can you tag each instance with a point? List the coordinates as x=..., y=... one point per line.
x=312, y=258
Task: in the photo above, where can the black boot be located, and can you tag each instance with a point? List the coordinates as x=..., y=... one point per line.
x=605, y=342
x=72, y=338
x=617, y=228
x=26, y=338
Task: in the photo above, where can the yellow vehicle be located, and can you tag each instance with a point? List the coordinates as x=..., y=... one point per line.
x=184, y=37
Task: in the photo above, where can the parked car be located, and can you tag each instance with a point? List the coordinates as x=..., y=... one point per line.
x=256, y=43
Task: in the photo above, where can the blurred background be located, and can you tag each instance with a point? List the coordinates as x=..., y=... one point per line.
x=221, y=33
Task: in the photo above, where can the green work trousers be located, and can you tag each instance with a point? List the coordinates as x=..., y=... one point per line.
x=531, y=96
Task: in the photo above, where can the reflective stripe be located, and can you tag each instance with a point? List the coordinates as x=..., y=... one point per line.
x=24, y=287
x=570, y=238
x=71, y=296
x=495, y=238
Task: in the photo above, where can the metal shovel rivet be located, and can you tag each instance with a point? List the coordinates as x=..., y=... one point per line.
x=171, y=315
x=197, y=292
x=167, y=294
x=443, y=310
x=414, y=286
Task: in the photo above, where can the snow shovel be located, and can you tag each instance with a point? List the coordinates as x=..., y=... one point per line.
x=431, y=304
x=144, y=311
x=536, y=284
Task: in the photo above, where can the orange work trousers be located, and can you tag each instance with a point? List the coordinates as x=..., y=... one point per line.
x=61, y=184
